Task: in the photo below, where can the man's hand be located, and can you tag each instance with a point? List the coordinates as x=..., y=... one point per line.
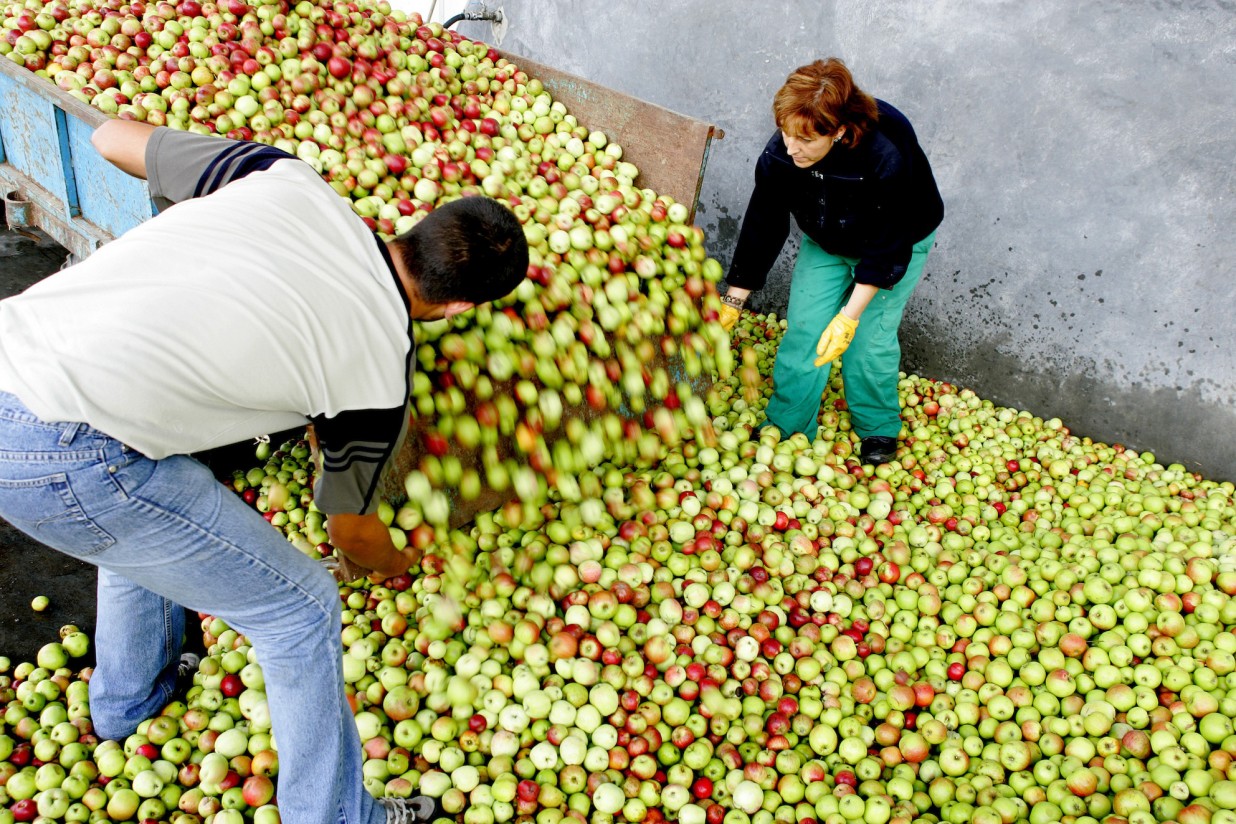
x=836, y=339
x=728, y=316
x=366, y=544
x=346, y=570
x=315, y=453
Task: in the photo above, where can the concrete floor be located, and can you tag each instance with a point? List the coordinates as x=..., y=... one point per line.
x=27, y=567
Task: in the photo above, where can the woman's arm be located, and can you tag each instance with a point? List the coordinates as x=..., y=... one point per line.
x=123, y=144
x=859, y=298
x=764, y=231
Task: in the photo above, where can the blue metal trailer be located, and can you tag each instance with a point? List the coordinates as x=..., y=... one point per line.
x=51, y=177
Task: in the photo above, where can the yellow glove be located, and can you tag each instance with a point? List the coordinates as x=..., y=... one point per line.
x=728, y=316
x=836, y=339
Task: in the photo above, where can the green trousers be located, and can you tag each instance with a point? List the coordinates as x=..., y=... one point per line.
x=870, y=368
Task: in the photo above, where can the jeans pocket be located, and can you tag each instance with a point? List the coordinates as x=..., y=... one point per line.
x=46, y=509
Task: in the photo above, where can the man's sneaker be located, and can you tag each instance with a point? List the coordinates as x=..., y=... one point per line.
x=420, y=809
x=185, y=670
x=877, y=450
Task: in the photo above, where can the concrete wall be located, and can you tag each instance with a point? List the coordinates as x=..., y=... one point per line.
x=1085, y=152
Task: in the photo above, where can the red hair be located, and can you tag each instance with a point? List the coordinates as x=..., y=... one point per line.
x=820, y=98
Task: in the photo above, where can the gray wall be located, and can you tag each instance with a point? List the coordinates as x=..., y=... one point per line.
x=1085, y=152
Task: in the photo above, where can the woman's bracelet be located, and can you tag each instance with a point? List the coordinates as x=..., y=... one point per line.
x=732, y=300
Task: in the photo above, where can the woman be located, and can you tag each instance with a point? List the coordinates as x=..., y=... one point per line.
x=849, y=169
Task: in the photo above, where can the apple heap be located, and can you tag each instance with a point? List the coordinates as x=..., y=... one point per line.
x=400, y=116
x=1007, y=623
x=282, y=490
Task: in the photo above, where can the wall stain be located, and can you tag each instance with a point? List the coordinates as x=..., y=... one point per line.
x=1058, y=167
x=1082, y=393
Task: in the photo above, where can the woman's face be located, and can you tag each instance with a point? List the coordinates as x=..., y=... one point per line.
x=809, y=149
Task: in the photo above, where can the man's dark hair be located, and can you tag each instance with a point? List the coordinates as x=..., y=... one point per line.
x=472, y=249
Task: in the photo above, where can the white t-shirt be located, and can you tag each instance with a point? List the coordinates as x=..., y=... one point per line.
x=256, y=303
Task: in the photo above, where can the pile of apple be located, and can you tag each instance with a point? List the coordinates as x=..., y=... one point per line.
x=400, y=116
x=1008, y=623
x=674, y=615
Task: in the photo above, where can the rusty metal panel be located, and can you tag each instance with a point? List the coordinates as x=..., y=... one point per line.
x=670, y=149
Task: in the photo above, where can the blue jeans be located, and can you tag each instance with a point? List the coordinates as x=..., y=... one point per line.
x=167, y=533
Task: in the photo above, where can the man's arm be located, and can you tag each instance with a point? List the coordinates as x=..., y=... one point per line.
x=363, y=539
x=123, y=144
x=366, y=542
x=180, y=165
x=352, y=450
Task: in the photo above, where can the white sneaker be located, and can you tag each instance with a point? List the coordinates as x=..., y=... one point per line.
x=419, y=809
x=185, y=671
x=188, y=664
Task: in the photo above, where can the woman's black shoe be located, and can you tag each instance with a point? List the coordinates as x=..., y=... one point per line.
x=877, y=450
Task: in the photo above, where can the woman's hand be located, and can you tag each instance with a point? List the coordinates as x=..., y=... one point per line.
x=836, y=339
x=731, y=306
x=840, y=331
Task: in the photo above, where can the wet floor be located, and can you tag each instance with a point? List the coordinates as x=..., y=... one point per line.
x=29, y=569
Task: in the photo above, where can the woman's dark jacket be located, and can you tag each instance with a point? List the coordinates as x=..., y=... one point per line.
x=872, y=201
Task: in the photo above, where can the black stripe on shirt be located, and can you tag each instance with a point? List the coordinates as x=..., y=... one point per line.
x=237, y=162
x=341, y=460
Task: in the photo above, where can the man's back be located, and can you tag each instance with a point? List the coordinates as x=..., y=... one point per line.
x=227, y=316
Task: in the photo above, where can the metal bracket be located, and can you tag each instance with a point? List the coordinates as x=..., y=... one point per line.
x=480, y=11
x=16, y=211
x=498, y=26
x=66, y=163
